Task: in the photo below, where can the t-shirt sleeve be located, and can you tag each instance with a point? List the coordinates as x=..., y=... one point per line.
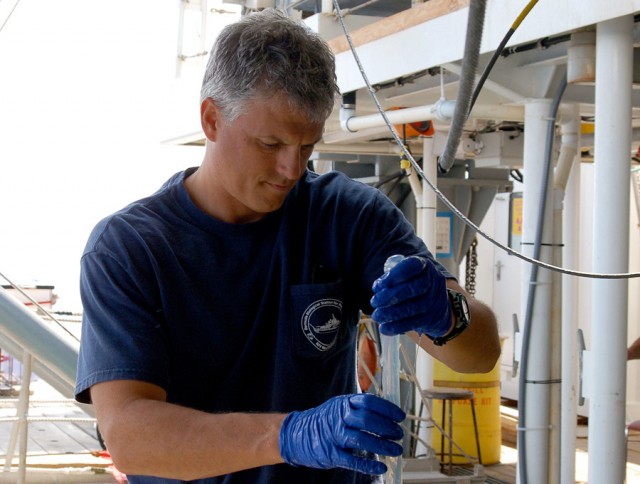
x=122, y=333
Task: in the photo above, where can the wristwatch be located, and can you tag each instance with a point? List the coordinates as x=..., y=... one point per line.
x=461, y=315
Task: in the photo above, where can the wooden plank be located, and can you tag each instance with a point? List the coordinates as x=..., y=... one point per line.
x=397, y=23
x=509, y=426
x=501, y=472
x=69, y=436
x=82, y=434
x=51, y=439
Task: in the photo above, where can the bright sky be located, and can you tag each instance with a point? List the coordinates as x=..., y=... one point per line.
x=87, y=94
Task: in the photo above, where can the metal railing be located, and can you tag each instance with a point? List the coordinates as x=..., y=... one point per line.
x=45, y=347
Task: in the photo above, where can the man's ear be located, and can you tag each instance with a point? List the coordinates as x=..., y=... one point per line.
x=210, y=118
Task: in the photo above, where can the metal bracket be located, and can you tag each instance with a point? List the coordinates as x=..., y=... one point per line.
x=514, y=362
x=581, y=349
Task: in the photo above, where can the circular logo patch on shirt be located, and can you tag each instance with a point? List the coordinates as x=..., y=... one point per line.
x=321, y=322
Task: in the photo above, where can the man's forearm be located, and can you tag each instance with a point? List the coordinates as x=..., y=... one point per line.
x=155, y=438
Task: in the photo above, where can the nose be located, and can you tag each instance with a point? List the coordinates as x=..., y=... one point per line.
x=291, y=163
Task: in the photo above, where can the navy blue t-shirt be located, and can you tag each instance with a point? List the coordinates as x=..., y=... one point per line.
x=256, y=317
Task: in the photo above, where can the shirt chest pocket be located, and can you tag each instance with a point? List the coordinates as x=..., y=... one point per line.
x=320, y=327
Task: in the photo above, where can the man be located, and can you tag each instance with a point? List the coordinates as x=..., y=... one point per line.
x=220, y=314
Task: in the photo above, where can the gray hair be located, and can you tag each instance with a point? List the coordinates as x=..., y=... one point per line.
x=264, y=54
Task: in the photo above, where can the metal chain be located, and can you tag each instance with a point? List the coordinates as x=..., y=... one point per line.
x=470, y=267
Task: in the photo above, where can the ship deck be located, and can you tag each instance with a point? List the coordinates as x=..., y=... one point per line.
x=62, y=447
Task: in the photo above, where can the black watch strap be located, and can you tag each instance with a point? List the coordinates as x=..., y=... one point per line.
x=461, y=316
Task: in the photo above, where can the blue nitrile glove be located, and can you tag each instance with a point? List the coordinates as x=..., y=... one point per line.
x=412, y=297
x=341, y=431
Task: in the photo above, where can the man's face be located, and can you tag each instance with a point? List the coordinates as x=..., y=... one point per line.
x=257, y=159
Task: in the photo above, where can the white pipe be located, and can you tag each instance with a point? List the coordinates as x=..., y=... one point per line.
x=204, y=16
x=23, y=413
x=427, y=213
x=570, y=131
x=11, y=447
x=416, y=189
x=555, y=347
x=442, y=110
x=327, y=7
x=581, y=57
x=571, y=242
x=568, y=152
x=179, y=54
x=20, y=428
x=345, y=115
x=614, y=74
x=536, y=405
x=429, y=197
x=382, y=148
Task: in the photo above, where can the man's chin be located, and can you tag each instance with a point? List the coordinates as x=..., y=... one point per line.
x=265, y=208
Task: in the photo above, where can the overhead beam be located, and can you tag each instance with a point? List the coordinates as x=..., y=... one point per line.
x=397, y=23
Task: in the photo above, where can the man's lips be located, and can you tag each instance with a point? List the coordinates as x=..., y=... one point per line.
x=280, y=187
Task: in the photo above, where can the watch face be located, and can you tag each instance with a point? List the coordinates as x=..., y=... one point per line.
x=462, y=315
x=460, y=307
x=465, y=307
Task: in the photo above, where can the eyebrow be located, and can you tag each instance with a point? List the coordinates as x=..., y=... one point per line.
x=280, y=141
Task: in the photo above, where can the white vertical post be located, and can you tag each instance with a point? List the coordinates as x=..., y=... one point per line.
x=19, y=428
x=570, y=257
x=11, y=447
x=427, y=214
x=23, y=413
x=555, y=343
x=536, y=403
x=614, y=69
x=204, y=17
x=180, y=45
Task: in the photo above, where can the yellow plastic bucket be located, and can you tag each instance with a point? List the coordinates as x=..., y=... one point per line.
x=486, y=389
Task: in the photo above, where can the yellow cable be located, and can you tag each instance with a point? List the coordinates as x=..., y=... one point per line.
x=523, y=14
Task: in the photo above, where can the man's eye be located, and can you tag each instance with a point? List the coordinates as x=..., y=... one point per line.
x=271, y=146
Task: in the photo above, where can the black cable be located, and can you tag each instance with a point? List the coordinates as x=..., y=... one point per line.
x=517, y=175
x=543, y=43
x=403, y=197
x=388, y=179
x=487, y=69
x=498, y=51
x=396, y=181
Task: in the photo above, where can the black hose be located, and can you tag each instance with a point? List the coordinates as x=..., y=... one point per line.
x=487, y=69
